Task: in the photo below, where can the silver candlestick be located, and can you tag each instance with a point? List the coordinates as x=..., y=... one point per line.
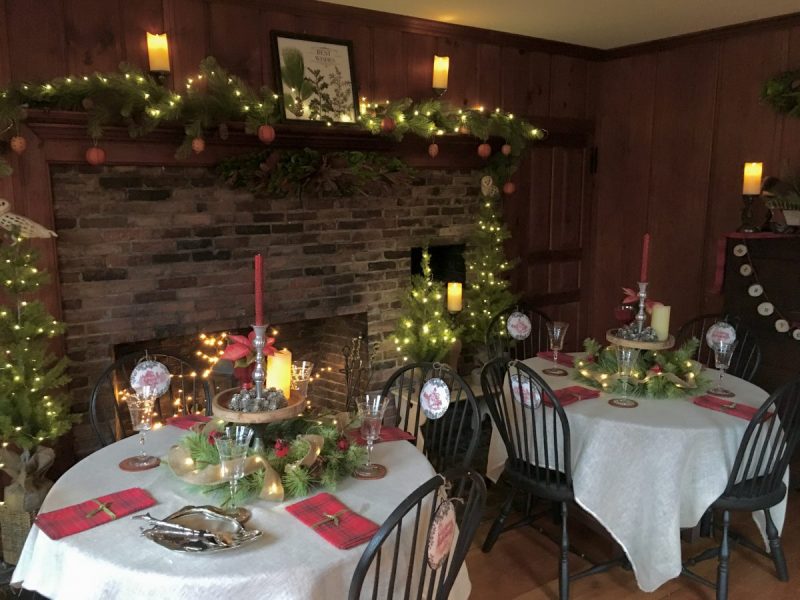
x=641, y=316
x=259, y=374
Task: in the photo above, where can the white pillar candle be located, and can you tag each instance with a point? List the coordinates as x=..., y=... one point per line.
x=279, y=371
x=441, y=68
x=454, y=298
x=659, y=321
x=751, y=183
x=158, y=52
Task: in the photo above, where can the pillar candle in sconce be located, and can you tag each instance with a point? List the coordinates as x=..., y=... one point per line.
x=158, y=52
x=659, y=321
x=454, y=298
x=441, y=68
x=279, y=371
x=751, y=182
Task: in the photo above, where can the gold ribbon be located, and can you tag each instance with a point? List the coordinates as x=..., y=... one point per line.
x=101, y=506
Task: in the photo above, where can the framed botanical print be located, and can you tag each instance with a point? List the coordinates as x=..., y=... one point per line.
x=315, y=77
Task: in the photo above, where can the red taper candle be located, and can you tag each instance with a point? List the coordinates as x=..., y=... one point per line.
x=259, y=268
x=645, y=256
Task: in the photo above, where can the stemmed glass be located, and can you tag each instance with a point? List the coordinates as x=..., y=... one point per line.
x=371, y=410
x=556, y=332
x=723, y=353
x=301, y=375
x=141, y=411
x=232, y=447
x=626, y=363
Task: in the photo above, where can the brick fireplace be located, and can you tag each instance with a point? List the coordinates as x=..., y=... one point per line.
x=147, y=254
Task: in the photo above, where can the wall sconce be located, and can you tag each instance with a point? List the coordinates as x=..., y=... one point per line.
x=441, y=67
x=158, y=55
x=454, y=298
x=751, y=189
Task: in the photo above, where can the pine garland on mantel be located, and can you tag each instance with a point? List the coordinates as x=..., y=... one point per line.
x=213, y=98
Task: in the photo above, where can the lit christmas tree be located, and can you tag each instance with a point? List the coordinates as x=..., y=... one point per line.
x=32, y=407
x=487, y=290
x=425, y=332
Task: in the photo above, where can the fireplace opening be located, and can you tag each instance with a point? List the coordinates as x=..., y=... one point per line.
x=447, y=262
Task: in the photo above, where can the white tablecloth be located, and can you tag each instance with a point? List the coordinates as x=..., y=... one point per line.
x=646, y=472
x=290, y=561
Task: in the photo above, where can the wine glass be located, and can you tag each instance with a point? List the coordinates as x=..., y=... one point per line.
x=141, y=411
x=723, y=353
x=232, y=447
x=626, y=363
x=371, y=410
x=556, y=331
x=625, y=313
x=301, y=376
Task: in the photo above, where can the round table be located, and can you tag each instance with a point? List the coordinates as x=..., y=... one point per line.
x=646, y=472
x=290, y=561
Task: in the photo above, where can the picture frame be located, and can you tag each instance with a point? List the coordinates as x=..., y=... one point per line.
x=315, y=77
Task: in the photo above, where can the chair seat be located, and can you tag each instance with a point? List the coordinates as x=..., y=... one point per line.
x=548, y=484
x=739, y=499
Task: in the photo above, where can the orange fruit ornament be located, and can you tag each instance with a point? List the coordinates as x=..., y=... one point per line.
x=95, y=155
x=266, y=133
x=509, y=188
x=433, y=150
x=484, y=150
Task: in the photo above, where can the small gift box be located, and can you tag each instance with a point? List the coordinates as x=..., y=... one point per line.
x=91, y=513
x=331, y=519
x=573, y=393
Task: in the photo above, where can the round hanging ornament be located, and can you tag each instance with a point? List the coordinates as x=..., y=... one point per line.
x=266, y=133
x=198, y=145
x=506, y=149
x=388, y=125
x=95, y=156
x=509, y=188
x=755, y=290
x=18, y=144
x=796, y=334
x=518, y=325
x=525, y=391
x=433, y=150
x=765, y=309
x=720, y=333
x=781, y=325
x=746, y=270
x=739, y=250
x=484, y=150
x=150, y=379
x=434, y=398
x=441, y=534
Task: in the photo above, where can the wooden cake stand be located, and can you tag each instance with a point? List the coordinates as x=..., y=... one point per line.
x=221, y=404
x=642, y=345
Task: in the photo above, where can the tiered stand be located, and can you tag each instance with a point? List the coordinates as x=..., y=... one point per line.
x=221, y=404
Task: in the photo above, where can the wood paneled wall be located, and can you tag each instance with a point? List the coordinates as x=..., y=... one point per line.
x=675, y=124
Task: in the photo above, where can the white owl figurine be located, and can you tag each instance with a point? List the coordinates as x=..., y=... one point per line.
x=487, y=187
x=27, y=228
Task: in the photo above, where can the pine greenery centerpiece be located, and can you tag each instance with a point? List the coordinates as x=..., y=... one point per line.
x=488, y=291
x=32, y=407
x=425, y=331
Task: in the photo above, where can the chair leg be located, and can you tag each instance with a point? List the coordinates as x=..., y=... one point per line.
x=707, y=524
x=724, y=556
x=775, y=548
x=563, y=567
x=497, y=526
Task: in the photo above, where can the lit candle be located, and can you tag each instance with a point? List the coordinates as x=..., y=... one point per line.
x=751, y=184
x=659, y=321
x=279, y=371
x=645, y=256
x=454, y=302
x=259, y=286
x=441, y=67
x=158, y=52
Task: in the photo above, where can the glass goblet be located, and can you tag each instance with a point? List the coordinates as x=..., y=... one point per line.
x=723, y=353
x=141, y=410
x=301, y=376
x=232, y=447
x=556, y=332
x=626, y=364
x=371, y=410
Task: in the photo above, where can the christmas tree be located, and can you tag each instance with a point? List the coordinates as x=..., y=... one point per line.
x=487, y=290
x=425, y=331
x=32, y=407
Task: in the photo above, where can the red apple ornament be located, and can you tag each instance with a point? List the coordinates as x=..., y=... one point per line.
x=509, y=188
x=484, y=150
x=433, y=150
x=266, y=133
x=388, y=125
x=18, y=144
x=506, y=149
x=95, y=156
x=198, y=145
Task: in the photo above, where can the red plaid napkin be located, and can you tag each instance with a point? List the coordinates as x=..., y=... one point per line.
x=727, y=406
x=334, y=521
x=564, y=359
x=85, y=515
x=388, y=434
x=187, y=421
x=573, y=393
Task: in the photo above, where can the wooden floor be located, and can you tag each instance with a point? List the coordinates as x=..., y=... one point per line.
x=523, y=565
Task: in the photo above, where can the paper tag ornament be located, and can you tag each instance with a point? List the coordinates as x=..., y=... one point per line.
x=434, y=398
x=150, y=379
x=781, y=325
x=525, y=391
x=755, y=290
x=746, y=270
x=739, y=250
x=518, y=325
x=441, y=535
x=765, y=309
x=720, y=333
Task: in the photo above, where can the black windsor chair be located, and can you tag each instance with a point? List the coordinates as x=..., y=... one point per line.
x=500, y=343
x=402, y=538
x=746, y=356
x=188, y=393
x=756, y=481
x=449, y=441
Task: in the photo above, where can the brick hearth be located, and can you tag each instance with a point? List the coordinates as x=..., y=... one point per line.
x=152, y=253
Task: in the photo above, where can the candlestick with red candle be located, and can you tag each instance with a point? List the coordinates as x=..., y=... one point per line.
x=645, y=256
x=259, y=277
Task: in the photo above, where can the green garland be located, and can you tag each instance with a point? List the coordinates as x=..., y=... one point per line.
x=782, y=93
x=280, y=172
x=214, y=98
x=338, y=458
x=658, y=374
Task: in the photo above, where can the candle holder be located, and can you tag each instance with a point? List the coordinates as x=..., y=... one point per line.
x=259, y=374
x=641, y=316
x=747, y=225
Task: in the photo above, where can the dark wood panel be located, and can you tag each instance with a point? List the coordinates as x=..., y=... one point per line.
x=567, y=198
x=5, y=66
x=539, y=77
x=567, y=87
x=237, y=40
x=95, y=36
x=138, y=19
x=680, y=174
x=42, y=21
x=419, y=50
x=462, y=87
x=489, y=76
x=387, y=80
x=514, y=86
x=789, y=152
x=186, y=24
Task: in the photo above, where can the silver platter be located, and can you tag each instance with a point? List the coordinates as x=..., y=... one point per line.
x=195, y=529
